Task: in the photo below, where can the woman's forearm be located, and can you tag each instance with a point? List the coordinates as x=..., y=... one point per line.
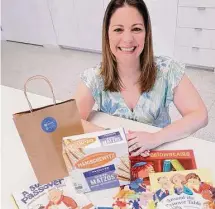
x=182, y=128
x=90, y=127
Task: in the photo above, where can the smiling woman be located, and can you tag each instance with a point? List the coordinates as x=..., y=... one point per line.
x=132, y=83
x=127, y=37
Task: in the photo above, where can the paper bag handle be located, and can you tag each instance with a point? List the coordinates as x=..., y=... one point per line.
x=34, y=78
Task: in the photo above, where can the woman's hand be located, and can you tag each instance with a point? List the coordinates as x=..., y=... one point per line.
x=140, y=142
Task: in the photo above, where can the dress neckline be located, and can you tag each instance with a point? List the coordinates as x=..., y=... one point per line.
x=125, y=103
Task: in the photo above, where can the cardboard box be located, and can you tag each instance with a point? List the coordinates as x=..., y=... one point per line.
x=98, y=160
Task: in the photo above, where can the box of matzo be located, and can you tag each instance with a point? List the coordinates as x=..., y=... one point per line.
x=98, y=160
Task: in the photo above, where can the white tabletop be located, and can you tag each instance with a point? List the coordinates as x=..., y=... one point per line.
x=17, y=172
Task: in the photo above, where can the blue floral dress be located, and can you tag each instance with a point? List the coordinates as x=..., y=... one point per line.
x=152, y=107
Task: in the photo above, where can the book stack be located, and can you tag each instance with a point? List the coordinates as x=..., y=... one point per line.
x=95, y=161
x=167, y=180
x=102, y=175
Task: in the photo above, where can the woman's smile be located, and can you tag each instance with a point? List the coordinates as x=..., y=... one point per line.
x=128, y=50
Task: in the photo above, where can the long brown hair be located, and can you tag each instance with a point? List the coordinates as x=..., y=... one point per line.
x=109, y=70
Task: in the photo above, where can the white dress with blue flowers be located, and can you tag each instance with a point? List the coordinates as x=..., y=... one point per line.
x=152, y=107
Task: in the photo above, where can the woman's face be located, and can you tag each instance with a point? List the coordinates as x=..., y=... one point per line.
x=126, y=34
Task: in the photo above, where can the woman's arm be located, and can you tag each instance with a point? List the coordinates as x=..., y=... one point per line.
x=85, y=102
x=190, y=105
x=195, y=116
x=90, y=127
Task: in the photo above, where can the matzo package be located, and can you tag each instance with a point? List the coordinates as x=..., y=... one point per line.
x=98, y=160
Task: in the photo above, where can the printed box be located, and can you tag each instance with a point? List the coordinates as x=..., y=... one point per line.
x=98, y=160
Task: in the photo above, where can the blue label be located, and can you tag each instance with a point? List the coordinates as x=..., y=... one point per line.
x=102, y=178
x=110, y=138
x=49, y=124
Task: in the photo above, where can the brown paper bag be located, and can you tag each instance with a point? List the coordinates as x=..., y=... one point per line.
x=42, y=130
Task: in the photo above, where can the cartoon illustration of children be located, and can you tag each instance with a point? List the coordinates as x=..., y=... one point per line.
x=165, y=185
x=135, y=204
x=208, y=205
x=138, y=186
x=120, y=204
x=146, y=198
x=179, y=182
x=124, y=193
x=194, y=182
x=58, y=200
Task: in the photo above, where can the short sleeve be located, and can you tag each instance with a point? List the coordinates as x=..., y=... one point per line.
x=93, y=80
x=174, y=76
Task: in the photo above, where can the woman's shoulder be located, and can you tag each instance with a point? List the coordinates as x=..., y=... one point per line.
x=165, y=62
x=169, y=74
x=166, y=65
x=162, y=60
x=93, y=71
x=92, y=77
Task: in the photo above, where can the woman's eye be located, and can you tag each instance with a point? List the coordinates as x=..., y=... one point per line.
x=137, y=29
x=117, y=30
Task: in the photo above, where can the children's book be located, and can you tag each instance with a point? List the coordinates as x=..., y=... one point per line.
x=135, y=195
x=58, y=194
x=188, y=189
x=138, y=194
x=161, y=161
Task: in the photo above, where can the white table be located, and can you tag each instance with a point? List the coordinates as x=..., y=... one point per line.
x=17, y=172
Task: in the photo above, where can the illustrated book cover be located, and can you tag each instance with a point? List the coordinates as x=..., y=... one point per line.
x=161, y=161
x=183, y=189
x=58, y=194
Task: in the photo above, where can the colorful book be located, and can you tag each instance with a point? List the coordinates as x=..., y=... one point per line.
x=58, y=194
x=136, y=195
x=161, y=161
x=183, y=189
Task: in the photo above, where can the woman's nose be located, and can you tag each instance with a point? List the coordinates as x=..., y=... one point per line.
x=127, y=37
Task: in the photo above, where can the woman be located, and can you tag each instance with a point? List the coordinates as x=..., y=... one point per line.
x=133, y=84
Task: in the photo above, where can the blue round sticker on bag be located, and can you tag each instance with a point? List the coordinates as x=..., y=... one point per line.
x=49, y=124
